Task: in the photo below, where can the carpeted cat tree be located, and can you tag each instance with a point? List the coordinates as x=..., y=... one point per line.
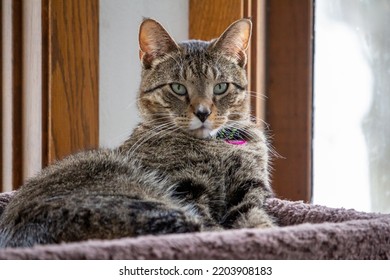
x=306, y=232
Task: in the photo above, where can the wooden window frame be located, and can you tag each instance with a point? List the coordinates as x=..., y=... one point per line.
x=11, y=92
x=280, y=67
x=289, y=89
x=50, y=69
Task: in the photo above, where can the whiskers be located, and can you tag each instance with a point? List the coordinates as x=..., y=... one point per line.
x=155, y=132
x=158, y=118
x=133, y=103
x=257, y=95
x=254, y=119
x=242, y=128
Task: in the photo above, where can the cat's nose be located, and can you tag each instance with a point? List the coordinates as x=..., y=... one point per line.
x=202, y=113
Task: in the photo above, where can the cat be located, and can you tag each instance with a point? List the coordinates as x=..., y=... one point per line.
x=195, y=163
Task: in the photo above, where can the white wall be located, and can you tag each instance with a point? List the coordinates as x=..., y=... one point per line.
x=119, y=63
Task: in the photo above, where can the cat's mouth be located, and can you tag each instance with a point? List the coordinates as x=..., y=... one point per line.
x=202, y=130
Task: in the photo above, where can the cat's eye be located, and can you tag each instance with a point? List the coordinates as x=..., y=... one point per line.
x=179, y=89
x=220, y=88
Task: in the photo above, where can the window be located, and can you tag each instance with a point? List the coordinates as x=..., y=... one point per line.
x=352, y=105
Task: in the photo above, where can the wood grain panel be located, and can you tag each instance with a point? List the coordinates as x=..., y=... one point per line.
x=208, y=19
x=73, y=76
x=12, y=156
x=289, y=88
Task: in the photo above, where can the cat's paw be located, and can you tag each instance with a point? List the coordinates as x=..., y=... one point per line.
x=256, y=218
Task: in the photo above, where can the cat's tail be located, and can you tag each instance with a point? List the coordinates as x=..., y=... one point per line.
x=93, y=217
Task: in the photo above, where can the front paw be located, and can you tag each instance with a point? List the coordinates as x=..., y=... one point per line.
x=255, y=218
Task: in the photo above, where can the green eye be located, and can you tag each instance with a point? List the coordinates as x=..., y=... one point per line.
x=220, y=88
x=179, y=89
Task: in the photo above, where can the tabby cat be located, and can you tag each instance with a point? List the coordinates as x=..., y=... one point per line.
x=196, y=162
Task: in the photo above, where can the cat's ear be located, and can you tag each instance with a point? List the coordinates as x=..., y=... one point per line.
x=154, y=41
x=235, y=40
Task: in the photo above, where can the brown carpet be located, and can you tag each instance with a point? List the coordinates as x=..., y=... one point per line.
x=306, y=232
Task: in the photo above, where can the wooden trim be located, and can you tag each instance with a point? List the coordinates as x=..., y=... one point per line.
x=289, y=89
x=256, y=10
x=12, y=156
x=32, y=87
x=208, y=19
x=72, y=63
x=45, y=82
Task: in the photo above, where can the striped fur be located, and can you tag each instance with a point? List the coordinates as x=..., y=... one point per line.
x=172, y=175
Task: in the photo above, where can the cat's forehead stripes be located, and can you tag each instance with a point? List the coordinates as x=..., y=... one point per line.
x=201, y=72
x=198, y=61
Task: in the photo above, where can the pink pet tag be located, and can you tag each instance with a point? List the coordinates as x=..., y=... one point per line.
x=236, y=142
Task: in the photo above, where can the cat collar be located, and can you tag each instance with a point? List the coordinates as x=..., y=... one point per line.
x=231, y=136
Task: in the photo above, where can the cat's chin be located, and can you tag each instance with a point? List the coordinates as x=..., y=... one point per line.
x=202, y=133
x=201, y=130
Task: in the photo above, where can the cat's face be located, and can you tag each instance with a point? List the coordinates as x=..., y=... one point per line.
x=195, y=86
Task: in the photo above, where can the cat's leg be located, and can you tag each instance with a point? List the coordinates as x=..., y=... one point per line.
x=255, y=217
x=192, y=196
x=245, y=206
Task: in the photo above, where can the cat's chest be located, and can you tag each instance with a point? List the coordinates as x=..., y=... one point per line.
x=212, y=161
x=176, y=156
